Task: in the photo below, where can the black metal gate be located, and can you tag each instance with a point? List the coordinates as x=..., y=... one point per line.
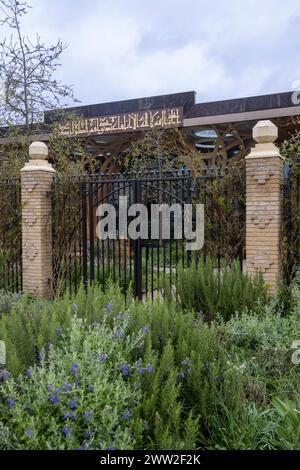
x=148, y=266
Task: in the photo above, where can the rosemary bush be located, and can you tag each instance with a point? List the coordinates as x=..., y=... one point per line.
x=209, y=292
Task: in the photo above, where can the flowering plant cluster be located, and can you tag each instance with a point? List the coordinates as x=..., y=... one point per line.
x=77, y=396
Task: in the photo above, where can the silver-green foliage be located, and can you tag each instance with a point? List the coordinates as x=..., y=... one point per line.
x=78, y=396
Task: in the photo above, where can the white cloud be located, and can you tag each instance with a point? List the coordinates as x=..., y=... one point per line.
x=136, y=48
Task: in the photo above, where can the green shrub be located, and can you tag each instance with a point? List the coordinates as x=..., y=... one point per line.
x=191, y=375
x=262, y=342
x=204, y=289
x=32, y=324
x=7, y=301
x=79, y=396
x=287, y=430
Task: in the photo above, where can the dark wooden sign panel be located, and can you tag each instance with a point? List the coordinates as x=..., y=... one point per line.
x=126, y=122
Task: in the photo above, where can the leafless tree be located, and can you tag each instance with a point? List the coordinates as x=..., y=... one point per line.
x=27, y=71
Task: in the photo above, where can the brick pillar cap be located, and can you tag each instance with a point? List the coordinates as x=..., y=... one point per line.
x=265, y=132
x=38, y=151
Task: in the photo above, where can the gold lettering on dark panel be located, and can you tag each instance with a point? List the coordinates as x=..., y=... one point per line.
x=127, y=122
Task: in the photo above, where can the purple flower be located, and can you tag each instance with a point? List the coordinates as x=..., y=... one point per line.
x=74, y=416
x=73, y=369
x=66, y=386
x=88, y=434
x=149, y=368
x=66, y=431
x=119, y=334
x=103, y=358
x=145, y=329
x=142, y=372
x=29, y=432
x=50, y=388
x=127, y=414
x=76, y=383
x=5, y=375
x=90, y=388
x=66, y=415
x=109, y=307
x=86, y=415
x=10, y=403
x=111, y=447
x=125, y=369
x=73, y=404
x=29, y=372
x=119, y=316
x=54, y=398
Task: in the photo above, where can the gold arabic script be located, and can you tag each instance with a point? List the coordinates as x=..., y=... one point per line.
x=127, y=122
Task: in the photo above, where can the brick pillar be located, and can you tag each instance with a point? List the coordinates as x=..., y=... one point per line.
x=36, y=179
x=263, y=201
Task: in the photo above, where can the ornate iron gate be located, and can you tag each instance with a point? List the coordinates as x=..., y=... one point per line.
x=147, y=266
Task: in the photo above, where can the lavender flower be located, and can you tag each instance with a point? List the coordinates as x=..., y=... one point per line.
x=125, y=369
x=29, y=432
x=86, y=415
x=66, y=431
x=29, y=372
x=119, y=316
x=50, y=388
x=66, y=415
x=109, y=307
x=73, y=369
x=111, y=447
x=149, y=368
x=10, y=403
x=54, y=398
x=103, y=358
x=73, y=404
x=127, y=414
x=88, y=434
x=146, y=329
x=142, y=372
x=119, y=334
x=66, y=386
x=90, y=388
x=4, y=375
x=74, y=416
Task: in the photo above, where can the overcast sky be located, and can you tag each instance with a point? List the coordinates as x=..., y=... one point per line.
x=123, y=49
